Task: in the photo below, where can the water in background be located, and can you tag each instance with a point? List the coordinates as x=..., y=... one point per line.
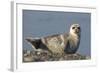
x=43, y=23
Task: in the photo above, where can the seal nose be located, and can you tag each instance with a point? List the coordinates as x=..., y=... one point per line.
x=77, y=30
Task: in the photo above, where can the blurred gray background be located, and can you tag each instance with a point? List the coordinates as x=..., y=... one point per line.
x=43, y=23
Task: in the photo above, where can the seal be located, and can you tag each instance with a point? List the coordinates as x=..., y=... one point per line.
x=59, y=43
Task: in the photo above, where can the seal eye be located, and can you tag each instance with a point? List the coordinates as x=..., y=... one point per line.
x=78, y=27
x=73, y=27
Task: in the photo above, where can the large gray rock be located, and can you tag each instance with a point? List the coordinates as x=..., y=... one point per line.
x=43, y=55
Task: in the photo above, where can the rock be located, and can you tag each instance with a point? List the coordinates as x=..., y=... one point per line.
x=43, y=55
